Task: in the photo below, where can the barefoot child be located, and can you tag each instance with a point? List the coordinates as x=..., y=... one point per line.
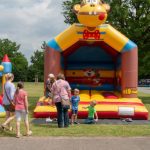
x=91, y=113
x=75, y=102
x=21, y=109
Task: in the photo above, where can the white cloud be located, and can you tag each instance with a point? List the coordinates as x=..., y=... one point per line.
x=29, y=22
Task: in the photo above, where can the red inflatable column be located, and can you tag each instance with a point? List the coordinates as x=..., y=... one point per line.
x=52, y=62
x=130, y=73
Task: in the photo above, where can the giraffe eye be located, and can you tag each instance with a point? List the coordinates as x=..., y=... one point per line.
x=88, y=1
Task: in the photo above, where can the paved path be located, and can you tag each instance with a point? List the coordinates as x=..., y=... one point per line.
x=70, y=143
x=144, y=90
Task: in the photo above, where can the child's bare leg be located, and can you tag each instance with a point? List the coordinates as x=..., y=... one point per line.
x=7, y=116
x=18, y=128
x=27, y=126
x=72, y=119
x=9, y=119
x=75, y=117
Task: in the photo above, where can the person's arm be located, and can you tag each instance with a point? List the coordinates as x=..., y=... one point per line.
x=52, y=92
x=68, y=90
x=12, y=92
x=69, y=93
x=49, y=86
x=85, y=107
x=26, y=103
x=71, y=100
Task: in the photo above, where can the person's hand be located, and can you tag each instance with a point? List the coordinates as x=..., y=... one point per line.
x=49, y=102
x=27, y=111
x=52, y=104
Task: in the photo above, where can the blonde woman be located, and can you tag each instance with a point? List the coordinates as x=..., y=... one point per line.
x=9, y=91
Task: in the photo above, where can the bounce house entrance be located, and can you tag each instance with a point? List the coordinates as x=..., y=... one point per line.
x=92, y=67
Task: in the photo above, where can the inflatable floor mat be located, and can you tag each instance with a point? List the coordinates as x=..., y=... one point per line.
x=109, y=105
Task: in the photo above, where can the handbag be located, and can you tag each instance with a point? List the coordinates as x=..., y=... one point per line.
x=12, y=105
x=65, y=102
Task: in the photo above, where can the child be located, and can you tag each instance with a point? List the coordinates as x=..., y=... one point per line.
x=21, y=109
x=91, y=113
x=75, y=102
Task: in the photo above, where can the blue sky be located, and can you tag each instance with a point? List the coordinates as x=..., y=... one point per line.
x=29, y=22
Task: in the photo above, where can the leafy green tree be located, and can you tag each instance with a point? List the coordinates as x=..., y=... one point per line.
x=132, y=18
x=37, y=66
x=19, y=62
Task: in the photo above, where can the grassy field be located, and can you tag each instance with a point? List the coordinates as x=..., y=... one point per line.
x=36, y=90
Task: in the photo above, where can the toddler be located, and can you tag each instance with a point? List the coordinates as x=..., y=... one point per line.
x=91, y=113
x=75, y=102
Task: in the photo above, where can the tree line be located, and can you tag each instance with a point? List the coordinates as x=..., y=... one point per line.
x=22, y=70
x=131, y=17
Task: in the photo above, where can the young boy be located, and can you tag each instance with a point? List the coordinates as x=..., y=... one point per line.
x=91, y=113
x=75, y=102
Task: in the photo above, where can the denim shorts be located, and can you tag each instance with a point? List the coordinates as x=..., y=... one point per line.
x=21, y=114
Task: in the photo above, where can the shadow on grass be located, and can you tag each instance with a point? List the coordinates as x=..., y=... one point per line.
x=6, y=133
x=49, y=126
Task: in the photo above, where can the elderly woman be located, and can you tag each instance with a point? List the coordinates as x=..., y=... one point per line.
x=49, y=83
x=48, y=94
x=9, y=91
x=61, y=90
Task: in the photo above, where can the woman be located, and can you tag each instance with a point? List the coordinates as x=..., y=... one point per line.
x=61, y=90
x=49, y=83
x=48, y=94
x=9, y=91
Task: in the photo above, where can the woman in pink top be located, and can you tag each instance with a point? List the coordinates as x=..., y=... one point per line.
x=61, y=90
x=21, y=109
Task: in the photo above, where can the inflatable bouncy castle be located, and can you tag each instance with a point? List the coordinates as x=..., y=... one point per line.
x=5, y=67
x=98, y=60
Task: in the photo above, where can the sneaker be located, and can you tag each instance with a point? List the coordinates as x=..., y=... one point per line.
x=48, y=120
x=76, y=122
x=128, y=119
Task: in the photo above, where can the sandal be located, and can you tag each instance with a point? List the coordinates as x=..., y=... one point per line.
x=11, y=129
x=29, y=133
x=3, y=127
x=19, y=136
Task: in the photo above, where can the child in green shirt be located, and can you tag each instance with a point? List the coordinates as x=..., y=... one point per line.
x=91, y=113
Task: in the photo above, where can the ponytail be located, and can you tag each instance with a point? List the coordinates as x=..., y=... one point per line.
x=17, y=90
x=20, y=85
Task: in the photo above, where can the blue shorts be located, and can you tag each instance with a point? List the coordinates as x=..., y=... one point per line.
x=74, y=112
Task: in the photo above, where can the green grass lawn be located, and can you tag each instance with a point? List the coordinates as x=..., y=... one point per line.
x=36, y=90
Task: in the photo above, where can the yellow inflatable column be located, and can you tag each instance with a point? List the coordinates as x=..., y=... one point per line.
x=3, y=82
